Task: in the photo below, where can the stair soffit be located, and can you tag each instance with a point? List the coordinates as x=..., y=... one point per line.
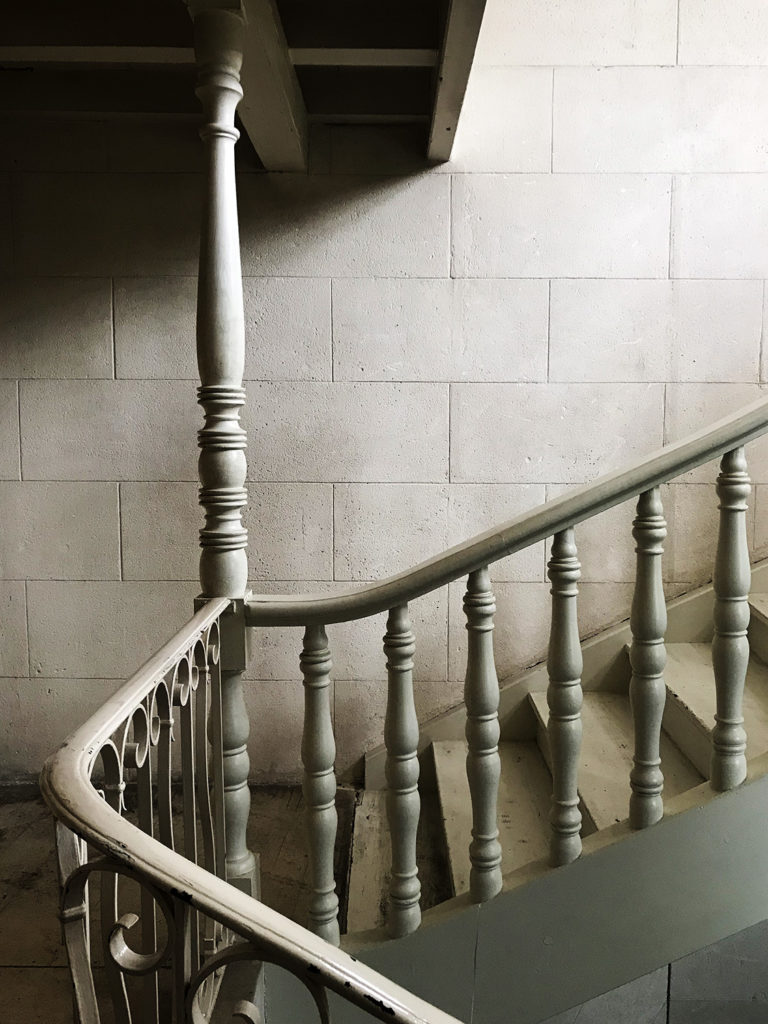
x=327, y=62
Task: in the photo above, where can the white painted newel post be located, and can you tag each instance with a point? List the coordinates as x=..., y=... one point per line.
x=318, y=754
x=481, y=696
x=648, y=656
x=564, y=697
x=730, y=647
x=220, y=358
x=401, y=736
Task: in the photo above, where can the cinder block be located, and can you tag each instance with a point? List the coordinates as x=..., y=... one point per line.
x=693, y=407
x=693, y=520
x=155, y=327
x=348, y=432
x=276, y=714
x=506, y=122
x=294, y=225
x=6, y=222
x=287, y=328
x=598, y=32
x=537, y=433
x=14, y=656
x=660, y=119
x=289, y=531
x=655, y=330
x=10, y=450
x=717, y=226
x=377, y=149
x=605, y=546
x=356, y=646
x=166, y=144
x=521, y=627
x=108, y=224
x=723, y=32
x=383, y=529
x=60, y=707
x=561, y=225
x=440, y=329
x=109, y=430
x=126, y=623
x=59, y=531
x=61, y=144
x=474, y=508
x=55, y=327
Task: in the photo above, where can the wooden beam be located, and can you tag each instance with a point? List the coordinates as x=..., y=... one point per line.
x=462, y=28
x=272, y=109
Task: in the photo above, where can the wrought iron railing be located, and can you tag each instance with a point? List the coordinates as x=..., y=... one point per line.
x=138, y=796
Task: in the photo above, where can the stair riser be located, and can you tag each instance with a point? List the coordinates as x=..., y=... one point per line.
x=758, y=635
x=688, y=733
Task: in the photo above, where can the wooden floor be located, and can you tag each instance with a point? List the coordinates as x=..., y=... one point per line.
x=34, y=978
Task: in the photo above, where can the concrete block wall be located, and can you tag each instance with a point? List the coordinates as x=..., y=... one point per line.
x=429, y=351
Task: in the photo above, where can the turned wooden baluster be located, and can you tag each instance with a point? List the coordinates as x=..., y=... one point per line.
x=564, y=665
x=401, y=736
x=220, y=357
x=481, y=696
x=648, y=656
x=730, y=647
x=318, y=753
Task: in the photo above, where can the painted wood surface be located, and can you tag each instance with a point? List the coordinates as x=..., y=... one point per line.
x=730, y=647
x=564, y=698
x=481, y=697
x=401, y=736
x=647, y=692
x=318, y=753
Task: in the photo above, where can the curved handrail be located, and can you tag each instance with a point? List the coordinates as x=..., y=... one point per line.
x=67, y=788
x=515, y=534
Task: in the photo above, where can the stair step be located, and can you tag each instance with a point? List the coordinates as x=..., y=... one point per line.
x=758, y=625
x=523, y=808
x=691, y=705
x=606, y=756
x=371, y=862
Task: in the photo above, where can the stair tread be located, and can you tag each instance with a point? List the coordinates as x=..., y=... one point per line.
x=606, y=757
x=759, y=603
x=690, y=678
x=523, y=806
x=371, y=863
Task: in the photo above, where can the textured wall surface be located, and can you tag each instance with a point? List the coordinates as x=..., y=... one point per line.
x=429, y=351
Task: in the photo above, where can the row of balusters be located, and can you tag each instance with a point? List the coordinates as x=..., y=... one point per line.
x=648, y=621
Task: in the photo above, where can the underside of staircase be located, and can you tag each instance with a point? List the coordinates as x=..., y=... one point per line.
x=563, y=939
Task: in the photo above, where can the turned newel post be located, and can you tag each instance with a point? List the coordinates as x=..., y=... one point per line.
x=730, y=647
x=220, y=358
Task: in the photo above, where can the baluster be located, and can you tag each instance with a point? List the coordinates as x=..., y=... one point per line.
x=481, y=696
x=318, y=753
x=189, y=808
x=220, y=358
x=564, y=665
x=648, y=656
x=401, y=736
x=730, y=647
x=150, y=1007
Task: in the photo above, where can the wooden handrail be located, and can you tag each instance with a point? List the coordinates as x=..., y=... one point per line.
x=70, y=794
x=515, y=534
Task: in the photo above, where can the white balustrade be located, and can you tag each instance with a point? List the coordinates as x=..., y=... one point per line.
x=401, y=737
x=220, y=357
x=564, y=697
x=730, y=647
x=318, y=753
x=481, y=696
x=647, y=655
